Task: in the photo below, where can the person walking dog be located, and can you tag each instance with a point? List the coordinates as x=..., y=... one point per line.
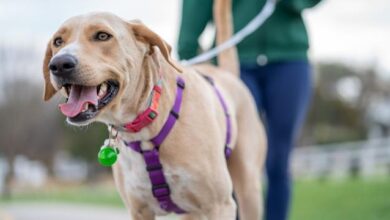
x=274, y=65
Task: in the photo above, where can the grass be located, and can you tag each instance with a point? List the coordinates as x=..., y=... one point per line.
x=312, y=200
x=94, y=195
x=352, y=199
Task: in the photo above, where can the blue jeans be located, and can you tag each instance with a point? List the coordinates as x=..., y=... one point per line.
x=282, y=91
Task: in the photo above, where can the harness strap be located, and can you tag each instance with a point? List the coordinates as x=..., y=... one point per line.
x=160, y=187
x=228, y=150
x=173, y=115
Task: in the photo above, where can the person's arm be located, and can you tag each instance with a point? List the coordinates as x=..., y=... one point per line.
x=195, y=16
x=299, y=5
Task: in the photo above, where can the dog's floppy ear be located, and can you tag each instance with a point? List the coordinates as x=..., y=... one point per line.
x=49, y=89
x=143, y=33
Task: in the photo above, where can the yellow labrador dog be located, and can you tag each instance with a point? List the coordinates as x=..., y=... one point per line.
x=109, y=69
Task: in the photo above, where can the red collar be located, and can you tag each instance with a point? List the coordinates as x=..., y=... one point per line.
x=147, y=116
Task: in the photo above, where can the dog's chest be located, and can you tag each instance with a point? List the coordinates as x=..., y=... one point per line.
x=137, y=182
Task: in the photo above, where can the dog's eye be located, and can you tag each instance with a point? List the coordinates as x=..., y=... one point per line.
x=58, y=42
x=102, y=36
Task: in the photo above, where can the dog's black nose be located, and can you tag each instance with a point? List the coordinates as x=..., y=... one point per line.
x=63, y=65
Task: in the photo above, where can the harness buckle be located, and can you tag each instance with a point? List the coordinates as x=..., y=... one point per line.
x=181, y=84
x=174, y=114
x=154, y=167
x=161, y=190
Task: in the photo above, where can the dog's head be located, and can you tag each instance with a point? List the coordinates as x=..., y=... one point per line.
x=95, y=60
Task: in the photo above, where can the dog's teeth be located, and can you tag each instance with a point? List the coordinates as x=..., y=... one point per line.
x=103, y=90
x=85, y=107
x=64, y=92
x=104, y=87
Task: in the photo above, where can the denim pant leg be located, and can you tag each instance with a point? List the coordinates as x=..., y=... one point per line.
x=282, y=91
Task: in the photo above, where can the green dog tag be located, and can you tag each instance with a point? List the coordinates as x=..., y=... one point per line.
x=107, y=156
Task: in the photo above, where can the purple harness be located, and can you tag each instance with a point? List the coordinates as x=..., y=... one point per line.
x=160, y=187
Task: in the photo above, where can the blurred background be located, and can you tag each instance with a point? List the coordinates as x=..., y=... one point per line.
x=342, y=164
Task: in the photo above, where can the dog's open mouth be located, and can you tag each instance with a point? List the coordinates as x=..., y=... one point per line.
x=85, y=102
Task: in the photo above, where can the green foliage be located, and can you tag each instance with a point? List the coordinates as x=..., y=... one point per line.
x=332, y=119
x=86, y=194
x=85, y=142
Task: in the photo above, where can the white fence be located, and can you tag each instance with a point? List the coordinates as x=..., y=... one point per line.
x=365, y=159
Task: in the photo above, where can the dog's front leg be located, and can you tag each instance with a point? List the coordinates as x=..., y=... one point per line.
x=138, y=210
x=193, y=216
x=141, y=215
x=225, y=210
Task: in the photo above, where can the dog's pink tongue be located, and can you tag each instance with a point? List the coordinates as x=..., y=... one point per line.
x=79, y=95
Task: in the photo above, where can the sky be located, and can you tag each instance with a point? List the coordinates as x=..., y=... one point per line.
x=352, y=31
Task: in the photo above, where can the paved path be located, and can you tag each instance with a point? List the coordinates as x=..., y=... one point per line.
x=50, y=211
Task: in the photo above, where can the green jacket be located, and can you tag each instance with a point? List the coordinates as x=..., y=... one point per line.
x=282, y=37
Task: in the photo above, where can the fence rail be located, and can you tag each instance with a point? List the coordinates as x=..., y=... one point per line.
x=364, y=158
